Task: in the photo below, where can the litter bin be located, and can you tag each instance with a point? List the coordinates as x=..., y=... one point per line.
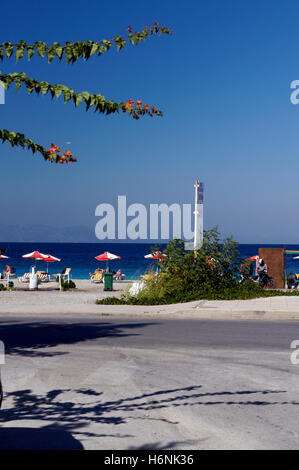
x=108, y=281
x=33, y=281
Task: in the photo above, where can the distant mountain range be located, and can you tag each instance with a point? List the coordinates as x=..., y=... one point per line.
x=45, y=233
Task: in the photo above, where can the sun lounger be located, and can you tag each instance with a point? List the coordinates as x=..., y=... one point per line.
x=66, y=274
x=97, y=277
x=147, y=277
x=24, y=278
x=43, y=276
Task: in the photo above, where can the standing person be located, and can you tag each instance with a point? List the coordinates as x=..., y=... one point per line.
x=262, y=271
x=292, y=280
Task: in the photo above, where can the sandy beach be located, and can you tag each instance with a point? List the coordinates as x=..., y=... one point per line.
x=49, y=299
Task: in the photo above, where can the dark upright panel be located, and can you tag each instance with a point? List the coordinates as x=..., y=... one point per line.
x=275, y=260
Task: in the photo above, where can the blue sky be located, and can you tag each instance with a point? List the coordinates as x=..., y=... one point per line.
x=223, y=82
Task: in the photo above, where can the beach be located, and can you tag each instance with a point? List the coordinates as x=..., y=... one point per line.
x=49, y=299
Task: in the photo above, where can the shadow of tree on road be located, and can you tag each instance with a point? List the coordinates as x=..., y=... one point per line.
x=168, y=445
x=73, y=410
x=44, y=438
x=30, y=337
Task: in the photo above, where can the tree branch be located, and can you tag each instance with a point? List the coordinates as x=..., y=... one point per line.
x=76, y=50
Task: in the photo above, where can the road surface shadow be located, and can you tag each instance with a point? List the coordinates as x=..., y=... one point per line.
x=29, y=338
x=168, y=445
x=45, y=438
x=71, y=411
x=75, y=409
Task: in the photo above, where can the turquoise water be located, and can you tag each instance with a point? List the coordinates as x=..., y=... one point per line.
x=81, y=257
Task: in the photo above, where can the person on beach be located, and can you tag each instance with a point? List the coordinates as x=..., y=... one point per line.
x=98, y=270
x=8, y=270
x=117, y=275
x=291, y=280
x=262, y=271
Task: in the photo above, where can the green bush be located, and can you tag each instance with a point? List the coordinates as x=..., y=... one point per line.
x=212, y=273
x=9, y=287
x=65, y=285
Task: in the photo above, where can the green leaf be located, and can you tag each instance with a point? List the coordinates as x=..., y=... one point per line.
x=44, y=86
x=58, y=50
x=106, y=44
x=50, y=54
x=132, y=38
x=58, y=90
x=41, y=48
x=30, y=85
x=118, y=42
x=67, y=95
x=18, y=83
x=90, y=102
x=68, y=54
x=77, y=99
x=94, y=48
x=30, y=52
x=20, y=49
x=8, y=49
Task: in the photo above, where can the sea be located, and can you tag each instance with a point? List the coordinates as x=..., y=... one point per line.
x=80, y=257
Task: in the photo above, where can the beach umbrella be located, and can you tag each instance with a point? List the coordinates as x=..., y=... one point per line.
x=35, y=255
x=50, y=259
x=158, y=256
x=254, y=258
x=106, y=257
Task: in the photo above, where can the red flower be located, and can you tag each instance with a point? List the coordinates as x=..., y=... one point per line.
x=54, y=148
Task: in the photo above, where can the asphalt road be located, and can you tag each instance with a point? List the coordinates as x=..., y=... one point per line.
x=123, y=383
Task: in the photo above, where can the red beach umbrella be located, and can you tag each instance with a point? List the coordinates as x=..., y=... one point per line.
x=156, y=255
x=50, y=259
x=106, y=257
x=254, y=258
x=35, y=255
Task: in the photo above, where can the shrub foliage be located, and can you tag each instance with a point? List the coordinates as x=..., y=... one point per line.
x=211, y=273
